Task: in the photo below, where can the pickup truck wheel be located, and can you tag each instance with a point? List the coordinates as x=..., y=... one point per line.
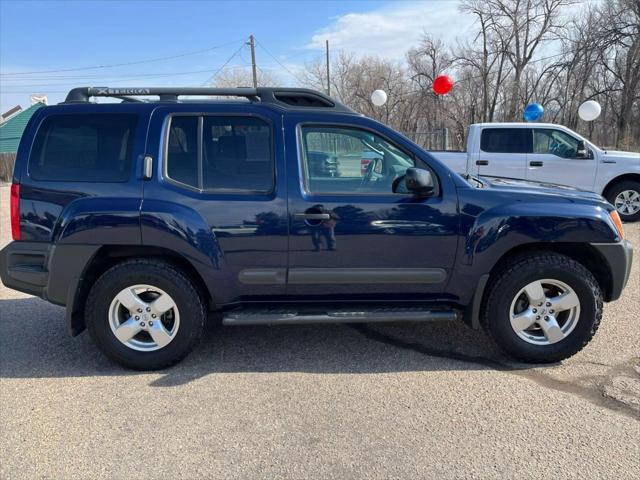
x=625, y=196
x=145, y=314
x=543, y=308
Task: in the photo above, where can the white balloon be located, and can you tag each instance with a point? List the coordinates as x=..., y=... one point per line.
x=379, y=98
x=589, y=110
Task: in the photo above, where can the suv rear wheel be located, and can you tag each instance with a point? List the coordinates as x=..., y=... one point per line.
x=543, y=307
x=145, y=314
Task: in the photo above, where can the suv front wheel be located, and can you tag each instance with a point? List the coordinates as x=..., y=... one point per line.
x=145, y=314
x=543, y=307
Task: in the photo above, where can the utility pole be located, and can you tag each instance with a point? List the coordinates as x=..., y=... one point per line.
x=328, y=73
x=252, y=44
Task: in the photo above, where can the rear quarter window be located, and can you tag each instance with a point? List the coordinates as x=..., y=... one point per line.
x=83, y=148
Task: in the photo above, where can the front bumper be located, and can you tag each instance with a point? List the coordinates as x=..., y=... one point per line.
x=619, y=257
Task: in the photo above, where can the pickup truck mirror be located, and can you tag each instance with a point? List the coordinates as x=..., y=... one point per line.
x=415, y=180
x=582, y=151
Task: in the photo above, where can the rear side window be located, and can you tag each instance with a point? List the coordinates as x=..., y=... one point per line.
x=218, y=153
x=182, y=150
x=506, y=140
x=84, y=148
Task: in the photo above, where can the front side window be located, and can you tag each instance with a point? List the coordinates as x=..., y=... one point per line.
x=350, y=160
x=84, y=148
x=506, y=140
x=234, y=153
x=555, y=142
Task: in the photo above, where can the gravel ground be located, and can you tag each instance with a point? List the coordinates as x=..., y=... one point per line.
x=376, y=401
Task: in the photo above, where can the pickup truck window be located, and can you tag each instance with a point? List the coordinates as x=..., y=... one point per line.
x=234, y=155
x=506, y=140
x=83, y=148
x=350, y=160
x=555, y=142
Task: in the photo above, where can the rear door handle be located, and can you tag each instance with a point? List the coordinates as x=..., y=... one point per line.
x=312, y=216
x=536, y=164
x=482, y=162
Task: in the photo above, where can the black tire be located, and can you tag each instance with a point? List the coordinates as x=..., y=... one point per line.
x=151, y=272
x=615, y=190
x=521, y=271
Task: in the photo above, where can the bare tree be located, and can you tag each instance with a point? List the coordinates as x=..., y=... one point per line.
x=241, y=77
x=620, y=35
x=522, y=27
x=353, y=80
x=549, y=51
x=491, y=60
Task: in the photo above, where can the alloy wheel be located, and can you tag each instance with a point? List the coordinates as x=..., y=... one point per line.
x=545, y=312
x=144, y=318
x=627, y=202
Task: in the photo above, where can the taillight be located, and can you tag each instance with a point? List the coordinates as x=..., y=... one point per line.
x=14, y=206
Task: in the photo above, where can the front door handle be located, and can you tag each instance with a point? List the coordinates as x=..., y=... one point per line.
x=536, y=164
x=482, y=162
x=312, y=216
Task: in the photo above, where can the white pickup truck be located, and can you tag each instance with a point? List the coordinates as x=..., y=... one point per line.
x=546, y=152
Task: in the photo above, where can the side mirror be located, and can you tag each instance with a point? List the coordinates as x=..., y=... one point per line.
x=582, y=151
x=416, y=181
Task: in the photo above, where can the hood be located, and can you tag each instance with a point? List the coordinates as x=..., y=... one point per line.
x=620, y=155
x=526, y=187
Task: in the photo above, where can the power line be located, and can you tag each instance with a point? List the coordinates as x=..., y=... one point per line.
x=117, y=76
x=279, y=62
x=117, y=79
x=215, y=74
x=72, y=80
x=31, y=91
x=211, y=78
x=138, y=62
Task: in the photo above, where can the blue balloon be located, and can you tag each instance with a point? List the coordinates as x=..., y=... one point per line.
x=533, y=112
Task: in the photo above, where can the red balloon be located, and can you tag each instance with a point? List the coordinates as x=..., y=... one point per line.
x=442, y=84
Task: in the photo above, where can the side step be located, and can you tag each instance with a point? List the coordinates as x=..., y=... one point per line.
x=352, y=315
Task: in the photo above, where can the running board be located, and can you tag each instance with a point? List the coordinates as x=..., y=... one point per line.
x=292, y=316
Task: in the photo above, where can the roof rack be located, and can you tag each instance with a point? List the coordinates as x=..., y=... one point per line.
x=284, y=97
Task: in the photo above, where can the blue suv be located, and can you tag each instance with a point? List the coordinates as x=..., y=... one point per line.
x=145, y=215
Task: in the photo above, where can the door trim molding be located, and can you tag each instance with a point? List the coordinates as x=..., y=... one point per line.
x=263, y=276
x=306, y=276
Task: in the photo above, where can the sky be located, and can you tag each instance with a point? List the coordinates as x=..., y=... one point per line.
x=48, y=47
